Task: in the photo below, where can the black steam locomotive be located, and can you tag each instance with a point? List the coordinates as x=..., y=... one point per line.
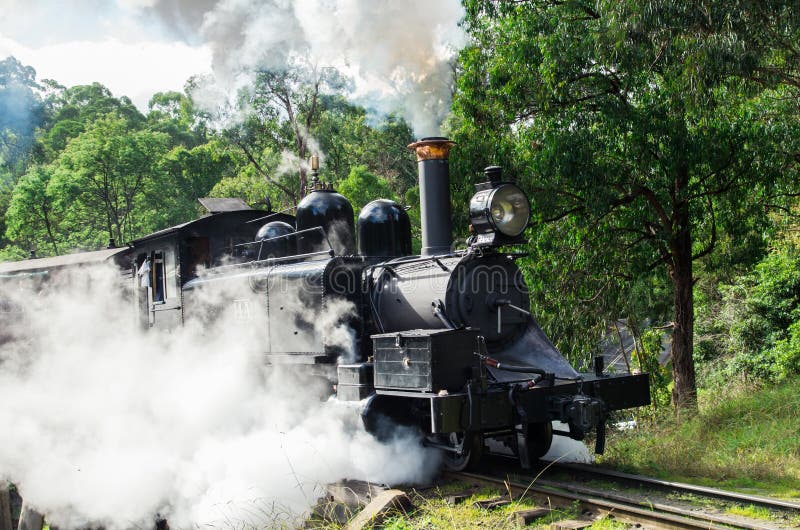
x=443, y=341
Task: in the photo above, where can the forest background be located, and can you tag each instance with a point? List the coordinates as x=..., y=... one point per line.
x=659, y=143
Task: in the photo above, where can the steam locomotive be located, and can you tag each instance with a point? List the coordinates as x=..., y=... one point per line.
x=444, y=341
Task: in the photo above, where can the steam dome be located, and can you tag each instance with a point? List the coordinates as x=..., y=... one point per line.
x=332, y=211
x=276, y=240
x=384, y=229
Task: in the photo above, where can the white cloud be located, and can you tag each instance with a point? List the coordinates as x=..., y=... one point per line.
x=134, y=69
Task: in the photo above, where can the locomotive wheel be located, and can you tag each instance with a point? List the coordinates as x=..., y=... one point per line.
x=469, y=447
x=540, y=438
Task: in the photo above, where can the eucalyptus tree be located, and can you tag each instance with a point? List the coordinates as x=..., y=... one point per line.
x=102, y=177
x=21, y=112
x=281, y=110
x=652, y=127
x=32, y=215
x=73, y=110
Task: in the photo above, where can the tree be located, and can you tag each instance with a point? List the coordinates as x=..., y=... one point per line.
x=349, y=138
x=284, y=107
x=103, y=174
x=654, y=125
x=31, y=214
x=74, y=110
x=175, y=114
x=21, y=112
x=6, y=190
x=189, y=174
x=248, y=185
x=362, y=186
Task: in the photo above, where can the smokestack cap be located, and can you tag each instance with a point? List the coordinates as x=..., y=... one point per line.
x=432, y=148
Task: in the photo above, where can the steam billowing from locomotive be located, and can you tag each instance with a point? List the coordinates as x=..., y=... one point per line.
x=105, y=424
x=397, y=54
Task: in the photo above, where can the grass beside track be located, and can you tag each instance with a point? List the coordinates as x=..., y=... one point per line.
x=432, y=511
x=745, y=440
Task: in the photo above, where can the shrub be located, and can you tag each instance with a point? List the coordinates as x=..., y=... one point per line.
x=755, y=325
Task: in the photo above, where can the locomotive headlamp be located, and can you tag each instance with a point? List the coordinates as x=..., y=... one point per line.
x=498, y=209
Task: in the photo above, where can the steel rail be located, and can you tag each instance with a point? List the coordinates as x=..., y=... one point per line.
x=624, y=511
x=661, y=507
x=731, y=496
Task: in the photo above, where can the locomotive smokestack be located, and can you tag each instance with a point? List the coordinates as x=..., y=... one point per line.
x=434, y=194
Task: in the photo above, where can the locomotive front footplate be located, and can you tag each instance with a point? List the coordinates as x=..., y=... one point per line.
x=499, y=406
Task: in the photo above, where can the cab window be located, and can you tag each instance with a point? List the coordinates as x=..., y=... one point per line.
x=159, y=277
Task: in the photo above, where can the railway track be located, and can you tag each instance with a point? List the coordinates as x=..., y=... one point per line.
x=636, y=508
x=678, y=487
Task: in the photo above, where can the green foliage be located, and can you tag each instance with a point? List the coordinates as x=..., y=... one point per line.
x=740, y=439
x=751, y=511
x=296, y=115
x=414, y=214
x=12, y=253
x=753, y=330
x=102, y=177
x=6, y=190
x=73, y=110
x=175, y=114
x=348, y=139
x=21, y=112
x=786, y=353
x=32, y=216
x=647, y=360
x=433, y=511
x=190, y=173
x=248, y=185
x=362, y=186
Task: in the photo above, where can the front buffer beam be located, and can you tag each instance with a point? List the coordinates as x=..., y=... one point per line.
x=582, y=404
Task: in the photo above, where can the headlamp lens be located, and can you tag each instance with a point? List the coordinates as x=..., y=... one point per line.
x=510, y=210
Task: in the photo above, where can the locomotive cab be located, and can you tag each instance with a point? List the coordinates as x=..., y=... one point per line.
x=165, y=261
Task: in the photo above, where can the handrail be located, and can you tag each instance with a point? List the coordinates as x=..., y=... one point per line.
x=269, y=261
x=389, y=265
x=273, y=214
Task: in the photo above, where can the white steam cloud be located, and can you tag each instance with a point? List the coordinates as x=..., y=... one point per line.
x=398, y=53
x=105, y=424
x=566, y=450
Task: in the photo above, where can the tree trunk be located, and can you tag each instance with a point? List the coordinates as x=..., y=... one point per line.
x=5, y=508
x=302, y=152
x=621, y=345
x=109, y=222
x=49, y=228
x=684, y=393
x=108, y=226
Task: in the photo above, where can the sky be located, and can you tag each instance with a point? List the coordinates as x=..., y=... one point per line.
x=109, y=41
